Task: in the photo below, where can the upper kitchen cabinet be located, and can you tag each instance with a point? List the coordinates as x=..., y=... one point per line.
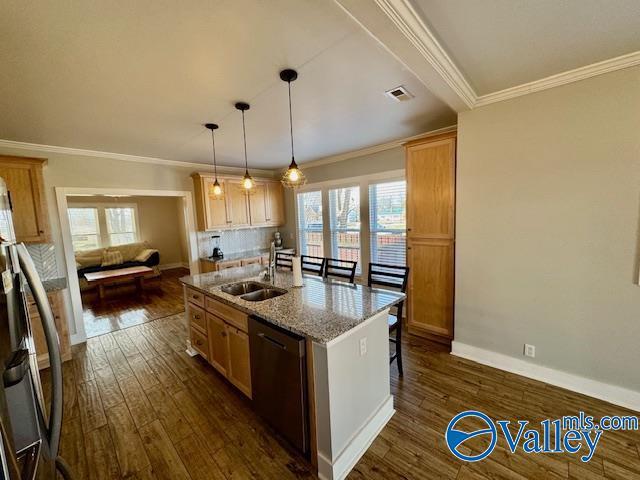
x=263, y=206
x=25, y=183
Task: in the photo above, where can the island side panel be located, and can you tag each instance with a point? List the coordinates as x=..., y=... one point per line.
x=353, y=395
x=311, y=395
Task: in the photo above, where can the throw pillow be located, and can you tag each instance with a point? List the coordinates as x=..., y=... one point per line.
x=111, y=258
x=144, y=255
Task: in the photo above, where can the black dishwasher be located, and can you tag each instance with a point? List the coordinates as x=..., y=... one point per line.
x=279, y=380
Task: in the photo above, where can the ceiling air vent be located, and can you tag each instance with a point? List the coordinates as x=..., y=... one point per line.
x=399, y=94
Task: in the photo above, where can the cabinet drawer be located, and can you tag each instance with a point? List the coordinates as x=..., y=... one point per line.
x=195, y=297
x=197, y=317
x=251, y=261
x=200, y=343
x=228, y=264
x=229, y=314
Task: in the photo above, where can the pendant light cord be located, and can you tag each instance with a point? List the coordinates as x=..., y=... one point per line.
x=244, y=136
x=291, y=123
x=215, y=167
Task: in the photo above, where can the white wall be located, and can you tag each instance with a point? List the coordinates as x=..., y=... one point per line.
x=548, y=202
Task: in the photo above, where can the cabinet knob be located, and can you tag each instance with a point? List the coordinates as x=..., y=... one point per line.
x=224, y=334
x=197, y=317
x=408, y=229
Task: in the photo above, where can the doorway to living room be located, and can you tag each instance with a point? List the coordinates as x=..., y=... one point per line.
x=125, y=252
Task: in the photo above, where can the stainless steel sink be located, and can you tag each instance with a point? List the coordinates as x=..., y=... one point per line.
x=241, y=288
x=264, y=294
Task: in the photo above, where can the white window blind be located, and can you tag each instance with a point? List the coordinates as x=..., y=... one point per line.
x=121, y=225
x=85, y=228
x=388, y=222
x=344, y=212
x=310, y=223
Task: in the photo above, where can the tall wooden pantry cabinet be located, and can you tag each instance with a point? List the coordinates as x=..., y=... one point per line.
x=431, y=176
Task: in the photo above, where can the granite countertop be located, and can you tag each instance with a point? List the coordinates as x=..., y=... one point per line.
x=322, y=310
x=240, y=255
x=54, y=284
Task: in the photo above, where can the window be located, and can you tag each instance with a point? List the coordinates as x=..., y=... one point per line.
x=121, y=225
x=388, y=222
x=85, y=228
x=344, y=214
x=310, y=223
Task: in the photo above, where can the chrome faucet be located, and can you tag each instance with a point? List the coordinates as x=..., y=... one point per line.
x=270, y=274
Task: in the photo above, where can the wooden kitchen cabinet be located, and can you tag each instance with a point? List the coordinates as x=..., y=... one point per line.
x=251, y=261
x=25, y=183
x=239, y=372
x=57, y=307
x=430, y=170
x=218, y=344
x=263, y=206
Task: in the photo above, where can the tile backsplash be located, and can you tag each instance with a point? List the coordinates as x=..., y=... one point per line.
x=44, y=258
x=233, y=241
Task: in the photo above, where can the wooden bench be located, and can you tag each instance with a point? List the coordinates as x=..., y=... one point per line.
x=107, y=277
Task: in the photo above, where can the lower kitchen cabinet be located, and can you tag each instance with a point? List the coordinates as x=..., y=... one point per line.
x=57, y=307
x=218, y=344
x=239, y=364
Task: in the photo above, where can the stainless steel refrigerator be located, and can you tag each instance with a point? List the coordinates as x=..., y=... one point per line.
x=29, y=437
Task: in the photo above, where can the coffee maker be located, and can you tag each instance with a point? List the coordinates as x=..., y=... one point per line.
x=217, y=251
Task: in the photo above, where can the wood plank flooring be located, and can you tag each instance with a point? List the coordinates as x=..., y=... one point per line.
x=123, y=307
x=137, y=406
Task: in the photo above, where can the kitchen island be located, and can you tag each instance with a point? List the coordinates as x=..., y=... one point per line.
x=345, y=331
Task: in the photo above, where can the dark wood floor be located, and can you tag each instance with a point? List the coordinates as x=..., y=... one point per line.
x=124, y=306
x=137, y=406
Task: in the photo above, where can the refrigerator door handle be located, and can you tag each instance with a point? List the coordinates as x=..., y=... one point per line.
x=51, y=336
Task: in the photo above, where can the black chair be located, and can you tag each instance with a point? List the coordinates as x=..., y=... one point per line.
x=395, y=277
x=313, y=265
x=342, y=269
x=284, y=260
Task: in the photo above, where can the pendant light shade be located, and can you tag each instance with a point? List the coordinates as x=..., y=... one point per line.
x=293, y=177
x=247, y=181
x=216, y=188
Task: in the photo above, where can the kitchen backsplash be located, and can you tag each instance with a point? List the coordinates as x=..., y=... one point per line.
x=233, y=241
x=44, y=258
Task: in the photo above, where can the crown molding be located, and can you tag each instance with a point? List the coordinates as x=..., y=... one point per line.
x=409, y=22
x=373, y=149
x=570, y=76
x=36, y=147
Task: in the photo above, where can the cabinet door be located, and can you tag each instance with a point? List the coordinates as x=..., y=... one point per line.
x=431, y=285
x=216, y=207
x=25, y=183
x=258, y=204
x=238, y=204
x=431, y=189
x=206, y=266
x=60, y=319
x=218, y=345
x=275, y=204
x=239, y=360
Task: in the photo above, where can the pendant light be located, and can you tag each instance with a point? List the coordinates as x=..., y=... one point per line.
x=215, y=189
x=293, y=177
x=247, y=181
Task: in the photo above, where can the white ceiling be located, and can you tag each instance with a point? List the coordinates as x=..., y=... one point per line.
x=503, y=43
x=141, y=78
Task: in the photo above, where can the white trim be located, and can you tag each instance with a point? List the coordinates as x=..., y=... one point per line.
x=409, y=22
x=373, y=149
x=169, y=266
x=609, y=393
x=570, y=76
x=80, y=335
x=127, y=158
x=357, y=447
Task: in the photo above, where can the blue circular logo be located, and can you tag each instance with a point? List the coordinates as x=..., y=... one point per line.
x=456, y=437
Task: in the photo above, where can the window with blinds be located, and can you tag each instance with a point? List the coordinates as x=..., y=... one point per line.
x=344, y=214
x=85, y=228
x=388, y=222
x=310, y=223
x=121, y=225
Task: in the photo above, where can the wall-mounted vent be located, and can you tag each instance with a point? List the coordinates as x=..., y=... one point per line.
x=400, y=94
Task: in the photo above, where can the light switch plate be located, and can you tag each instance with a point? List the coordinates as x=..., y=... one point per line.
x=529, y=350
x=363, y=346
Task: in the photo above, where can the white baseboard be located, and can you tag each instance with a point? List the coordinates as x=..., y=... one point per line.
x=593, y=388
x=350, y=455
x=169, y=266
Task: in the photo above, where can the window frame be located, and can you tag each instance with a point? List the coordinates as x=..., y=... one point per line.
x=378, y=230
x=101, y=207
x=98, y=229
x=136, y=224
x=365, y=233
x=297, y=221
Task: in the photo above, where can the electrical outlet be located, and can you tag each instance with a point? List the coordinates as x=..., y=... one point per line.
x=529, y=350
x=363, y=346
